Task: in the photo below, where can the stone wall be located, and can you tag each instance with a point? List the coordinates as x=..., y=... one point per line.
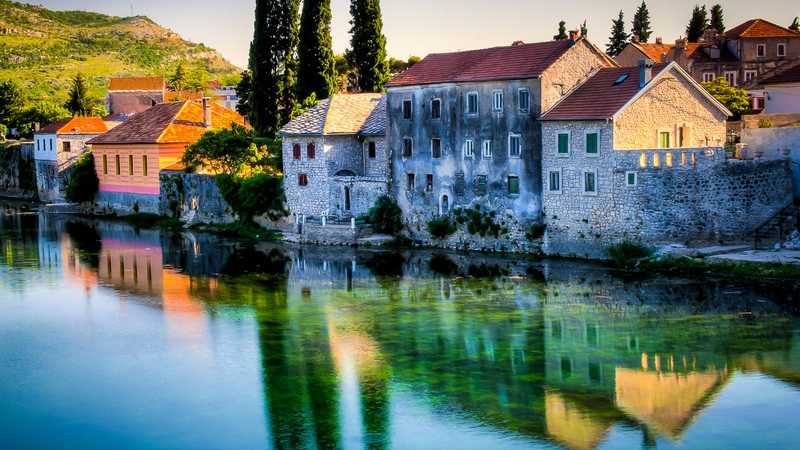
x=193, y=199
x=17, y=171
x=363, y=193
x=125, y=203
x=313, y=199
x=771, y=142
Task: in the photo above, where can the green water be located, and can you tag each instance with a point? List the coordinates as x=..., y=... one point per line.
x=112, y=337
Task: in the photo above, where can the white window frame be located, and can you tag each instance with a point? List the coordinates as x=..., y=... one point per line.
x=510, y=137
x=596, y=182
x=569, y=144
x=586, y=140
x=469, y=149
x=635, y=178
x=487, y=149
x=750, y=75
x=761, y=50
x=498, y=100
x=734, y=76
x=560, y=189
x=441, y=149
x=437, y=99
x=519, y=103
x=781, y=50
x=403, y=150
x=477, y=103
x=708, y=77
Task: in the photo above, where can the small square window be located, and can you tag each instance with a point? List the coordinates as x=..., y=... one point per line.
x=487, y=149
x=524, y=100
x=563, y=144
x=472, y=103
x=513, y=185
x=410, y=181
x=469, y=148
x=497, y=101
x=781, y=50
x=67, y=146
x=429, y=182
x=407, y=109
x=514, y=145
x=631, y=179
x=749, y=75
x=592, y=144
x=408, y=147
x=590, y=182
x=296, y=151
x=302, y=179
x=371, y=150
x=311, y=150
x=555, y=181
x=436, y=148
x=761, y=50
x=436, y=108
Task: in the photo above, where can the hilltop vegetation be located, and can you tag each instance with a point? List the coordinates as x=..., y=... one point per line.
x=42, y=50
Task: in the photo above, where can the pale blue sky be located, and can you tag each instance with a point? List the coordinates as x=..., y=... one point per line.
x=419, y=27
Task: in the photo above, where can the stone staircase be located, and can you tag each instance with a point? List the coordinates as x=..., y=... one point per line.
x=777, y=228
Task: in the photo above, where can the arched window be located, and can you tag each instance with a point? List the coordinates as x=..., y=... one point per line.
x=296, y=151
x=311, y=150
x=444, y=205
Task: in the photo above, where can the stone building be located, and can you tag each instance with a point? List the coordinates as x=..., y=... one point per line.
x=335, y=158
x=131, y=95
x=463, y=127
x=635, y=154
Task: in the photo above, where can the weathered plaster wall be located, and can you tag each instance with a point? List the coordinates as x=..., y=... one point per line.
x=670, y=104
x=571, y=68
x=193, y=199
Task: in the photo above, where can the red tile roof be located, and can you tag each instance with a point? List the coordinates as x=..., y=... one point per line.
x=759, y=28
x=76, y=125
x=600, y=97
x=653, y=51
x=136, y=84
x=498, y=63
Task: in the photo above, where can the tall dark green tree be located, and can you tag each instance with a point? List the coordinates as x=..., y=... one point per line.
x=795, y=26
x=562, y=31
x=273, y=64
x=619, y=38
x=717, y=18
x=584, y=29
x=180, y=77
x=316, y=72
x=698, y=24
x=641, y=23
x=244, y=89
x=367, y=54
x=79, y=103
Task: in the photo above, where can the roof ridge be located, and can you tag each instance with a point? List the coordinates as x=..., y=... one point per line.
x=172, y=120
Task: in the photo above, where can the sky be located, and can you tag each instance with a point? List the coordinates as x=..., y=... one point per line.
x=420, y=27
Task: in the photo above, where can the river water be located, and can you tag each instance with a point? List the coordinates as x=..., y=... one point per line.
x=113, y=337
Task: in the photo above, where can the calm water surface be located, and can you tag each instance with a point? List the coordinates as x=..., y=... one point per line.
x=112, y=337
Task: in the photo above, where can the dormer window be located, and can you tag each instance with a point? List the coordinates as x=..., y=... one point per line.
x=761, y=50
x=781, y=50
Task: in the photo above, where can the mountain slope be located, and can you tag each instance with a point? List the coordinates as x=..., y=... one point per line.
x=43, y=49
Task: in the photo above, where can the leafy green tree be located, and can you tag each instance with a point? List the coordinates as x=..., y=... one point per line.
x=244, y=90
x=10, y=101
x=303, y=106
x=316, y=71
x=795, y=26
x=232, y=152
x=254, y=195
x=641, y=23
x=367, y=54
x=180, y=77
x=619, y=38
x=698, y=24
x=79, y=103
x=584, y=29
x=345, y=77
x=562, y=31
x=385, y=216
x=717, y=18
x=273, y=64
x=735, y=99
x=43, y=113
x=83, y=182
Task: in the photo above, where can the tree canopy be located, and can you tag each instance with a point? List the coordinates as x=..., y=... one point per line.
x=619, y=38
x=367, y=54
x=717, y=18
x=735, y=99
x=232, y=152
x=562, y=31
x=79, y=103
x=795, y=26
x=698, y=24
x=10, y=101
x=179, y=78
x=316, y=72
x=641, y=24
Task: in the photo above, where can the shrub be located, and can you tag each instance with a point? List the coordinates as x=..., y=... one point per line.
x=626, y=254
x=765, y=123
x=441, y=227
x=253, y=196
x=535, y=231
x=83, y=183
x=479, y=222
x=3, y=132
x=385, y=216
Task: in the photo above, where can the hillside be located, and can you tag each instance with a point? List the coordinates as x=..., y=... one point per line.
x=43, y=49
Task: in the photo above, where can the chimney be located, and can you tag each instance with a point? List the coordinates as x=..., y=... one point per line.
x=207, y=112
x=659, y=41
x=645, y=72
x=573, y=36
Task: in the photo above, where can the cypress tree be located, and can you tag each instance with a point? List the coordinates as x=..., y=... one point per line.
x=562, y=31
x=79, y=103
x=272, y=64
x=795, y=26
x=717, y=18
x=367, y=54
x=698, y=24
x=619, y=38
x=316, y=72
x=641, y=23
x=584, y=29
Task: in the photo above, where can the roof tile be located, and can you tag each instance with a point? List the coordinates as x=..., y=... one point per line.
x=759, y=28
x=76, y=125
x=342, y=114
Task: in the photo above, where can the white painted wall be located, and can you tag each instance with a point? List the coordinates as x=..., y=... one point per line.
x=783, y=98
x=45, y=147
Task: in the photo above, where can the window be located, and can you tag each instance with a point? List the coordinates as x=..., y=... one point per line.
x=429, y=183
x=663, y=139
x=589, y=182
x=407, y=109
x=631, y=179
x=514, y=145
x=436, y=108
x=105, y=164
x=761, y=50
x=296, y=152
x=50, y=144
x=311, y=150
x=472, y=103
x=684, y=136
x=730, y=77
x=781, y=50
x=130, y=165
x=119, y=171
x=302, y=179
x=563, y=144
x=592, y=143
x=497, y=101
x=469, y=148
x=487, y=149
x=513, y=185
x=524, y=100
x=67, y=146
x=554, y=184
x=410, y=181
x=408, y=146
x=144, y=165
x=371, y=151
x=480, y=184
x=708, y=77
x=436, y=148
x=749, y=75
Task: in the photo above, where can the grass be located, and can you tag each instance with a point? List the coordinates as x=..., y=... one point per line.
x=249, y=231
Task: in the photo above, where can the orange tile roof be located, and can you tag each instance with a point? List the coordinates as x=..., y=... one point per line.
x=136, y=84
x=76, y=125
x=759, y=28
x=654, y=51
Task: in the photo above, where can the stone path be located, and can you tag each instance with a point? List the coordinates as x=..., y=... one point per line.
x=761, y=256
